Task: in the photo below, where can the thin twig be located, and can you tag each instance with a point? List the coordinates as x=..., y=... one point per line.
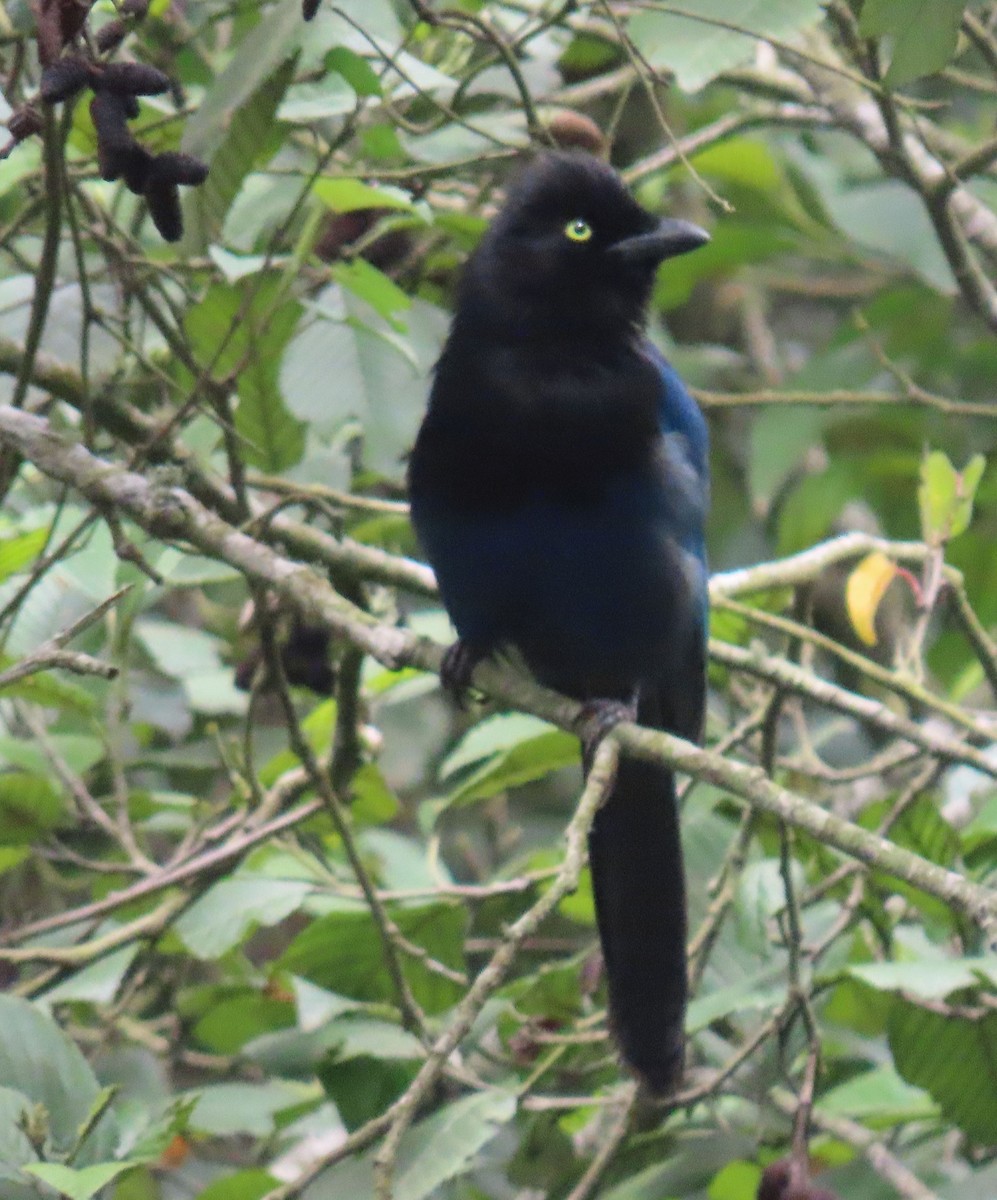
x=609, y=1144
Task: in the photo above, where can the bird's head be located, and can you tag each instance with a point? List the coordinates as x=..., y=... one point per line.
x=572, y=249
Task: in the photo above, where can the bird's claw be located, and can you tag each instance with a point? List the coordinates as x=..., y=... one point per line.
x=597, y=718
x=459, y=661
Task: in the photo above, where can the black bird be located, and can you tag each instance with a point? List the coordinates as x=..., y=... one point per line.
x=559, y=487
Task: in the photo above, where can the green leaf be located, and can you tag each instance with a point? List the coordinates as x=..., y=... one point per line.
x=343, y=952
x=381, y=141
x=344, y=1039
x=214, y=692
x=48, y=690
x=701, y=38
x=400, y=862
x=368, y=374
x=924, y=34
x=435, y=1150
x=63, y=594
x=219, y=323
x=579, y=905
x=15, y=1148
x=982, y=829
x=273, y=439
x=921, y=828
x=317, y=728
x=244, y=328
x=980, y=1184
x=229, y=911
x=18, y=553
x=77, y=750
x=37, y=1058
x=890, y=222
x=521, y=763
x=332, y=62
x=752, y=169
x=259, y=54
x=348, y=195
x=252, y=137
x=461, y=139
x=552, y=992
x=929, y=979
x=946, y=496
x=16, y=167
x=233, y=127
x=229, y=1024
x=735, y=1181
x=97, y=983
x=880, y=1098
x=445, y=1144
x=933, y=1051
x=495, y=734
x=12, y=856
x=319, y=100
x=967, y=484
x=228, y=1109
x=373, y=802
x=178, y=650
x=78, y=1184
x=362, y=1088
x=383, y=295
x=936, y=496
x=761, y=992
x=316, y=1006
x=30, y=807
x=355, y=69
x=253, y=1184
x=587, y=55
x=364, y=1037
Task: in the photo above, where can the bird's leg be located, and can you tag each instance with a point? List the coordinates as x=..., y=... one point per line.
x=597, y=718
x=459, y=661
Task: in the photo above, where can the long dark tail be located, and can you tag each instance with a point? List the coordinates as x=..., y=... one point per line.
x=635, y=854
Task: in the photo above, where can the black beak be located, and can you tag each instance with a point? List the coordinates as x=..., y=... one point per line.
x=671, y=237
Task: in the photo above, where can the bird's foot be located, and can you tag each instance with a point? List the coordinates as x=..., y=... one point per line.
x=597, y=718
x=459, y=661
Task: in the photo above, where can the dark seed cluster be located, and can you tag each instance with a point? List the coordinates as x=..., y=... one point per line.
x=111, y=35
x=116, y=87
x=23, y=122
x=57, y=22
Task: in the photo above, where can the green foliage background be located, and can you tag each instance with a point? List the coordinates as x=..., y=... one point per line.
x=271, y=930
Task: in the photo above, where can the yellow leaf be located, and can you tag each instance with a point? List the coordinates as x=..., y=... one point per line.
x=865, y=589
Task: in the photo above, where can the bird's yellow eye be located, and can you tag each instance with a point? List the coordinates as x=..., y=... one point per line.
x=578, y=230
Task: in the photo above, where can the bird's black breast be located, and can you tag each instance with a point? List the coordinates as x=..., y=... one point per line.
x=509, y=423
